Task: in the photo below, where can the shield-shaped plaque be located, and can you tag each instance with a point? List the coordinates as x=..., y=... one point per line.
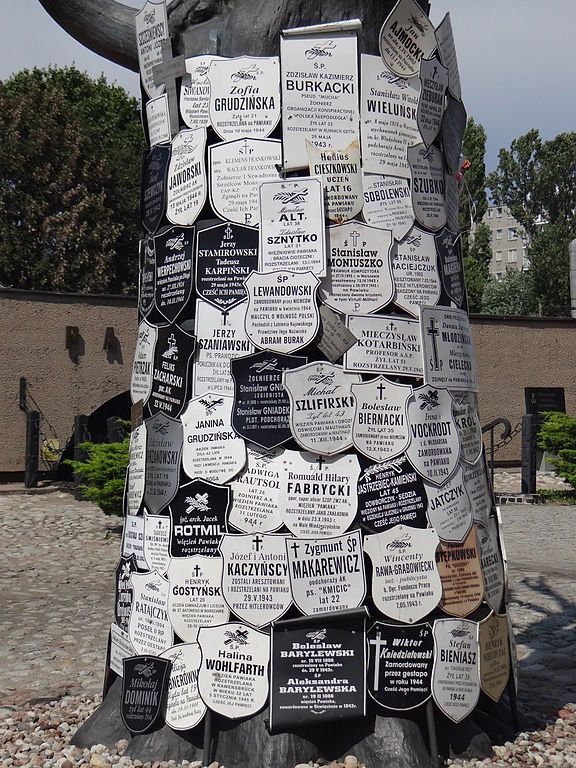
x=453, y=127
x=407, y=36
x=149, y=628
x=492, y=564
x=386, y=344
x=380, y=429
x=388, y=204
x=143, y=692
x=173, y=276
x=447, y=53
x=461, y=574
x=434, y=447
x=449, y=249
x=340, y=172
x=142, y=368
x=187, y=181
x=174, y=350
x=256, y=492
x=476, y=482
x=147, y=276
x=415, y=273
x=494, y=655
x=151, y=29
x=321, y=406
x=163, y=452
x=455, y=682
x=184, y=707
x=153, y=188
x=468, y=424
x=428, y=186
x=406, y=584
x=157, y=542
x=450, y=509
x=123, y=598
x=434, y=81
x=133, y=539
x=120, y=649
x=198, y=513
x=448, y=346
x=136, y=470
x=195, y=92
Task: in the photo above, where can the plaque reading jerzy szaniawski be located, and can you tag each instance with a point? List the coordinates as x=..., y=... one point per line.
x=386, y=344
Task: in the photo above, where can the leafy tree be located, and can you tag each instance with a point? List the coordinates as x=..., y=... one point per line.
x=558, y=435
x=550, y=268
x=513, y=295
x=476, y=266
x=475, y=199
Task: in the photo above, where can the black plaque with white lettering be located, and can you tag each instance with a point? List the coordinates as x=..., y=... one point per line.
x=400, y=659
x=453, y=126
x=198, y=515
x=449, y=250
x=540, y=399
x=144, y=686
x=154, y=176
x=174, y=349
x=147, y=276
x=173, y=280
x=123, y=597
x=318, y=669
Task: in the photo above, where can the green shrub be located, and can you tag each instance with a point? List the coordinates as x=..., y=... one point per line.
x=558, y=435
x=103, y=474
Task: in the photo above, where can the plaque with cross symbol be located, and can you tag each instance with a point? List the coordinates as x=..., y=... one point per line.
x=149, y=628
x=184, y=707
x=167, y=72
x=157, y=542
x=174, y=350
x=174, y=271
x=449, y=250
x=187, y=180
x=448, y=349
x=142, y=367
x=256, y=492
x=434, y=80
x=380, y=431
x=494, y=655
x=406, y=36
x=198, y=514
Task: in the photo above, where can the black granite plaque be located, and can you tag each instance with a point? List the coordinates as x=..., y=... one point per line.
x=153, y=195
x=449, y=252
x=198, y=513
x=174, y=270
x=144, y=685
x=123, y=597
x=174, y=349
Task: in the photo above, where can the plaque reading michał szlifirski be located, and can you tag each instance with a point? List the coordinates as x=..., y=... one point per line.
x=406, y=37
x=163, y=453
x=380, y=430
x=149, y=628
x=450, y=509
x=187, y=181
x=199, y=513
x=455, y=682
x=388, y=204
x=461, y=574
x=184, y=707
x=144, y=683
x=174, y=272
x=386, y=344
x=415, y=273
x=340, y=172
x=448, y=347
x=172, y=356
x=256, y=492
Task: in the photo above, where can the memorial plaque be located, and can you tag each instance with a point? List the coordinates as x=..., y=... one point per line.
x=154, y=187
x=476, y=482
x=538, y=399
x=195, y=92
x=406, y=37
x=237, y=168
x=158, y=121
x=450, y=508
x=455, y=682
x=174, y=350
x=340, y=172
x=335, y=339
x=400, y=662
x=212, y=450
x=319, y=93
x=262, y=409
x=492, y=564
x=120, y=649
x=233, y=677
x=136, y=470
x=391, y=494
x=157, y=542
x=133, y=539
x=449, y=359
x=359, y=276
x=149, y=628
x=452, y=200
x=449, y=250
x=318, y=670
x=256, y=492
x=406, y=584
x=500, y=527
x=386, y=344
x=198, y=514
x=187, y=181
x=184, y=707
x=380, y=429
x=292, y=234
x=428, y=186
x=255, y=580
x=434, y=447
x=142, y=367
x=327, y=574
x=513, y=652
x=226, y=255
x=321, y=407
x=461, y=574
x=151, y=29
x=244, y=96
x=195, y=597
x=282, y=313
x=414, y=270
x=220, y=336
x=146, y=288
x=124, y=595
x=388, y=204
x=163, y=452
x=318, y=496
x=494, y=655
x=434, y=82
x=389, y=125
x=447, y=53
x=143, y=692
x=173, y=273
x=453, y=127
x=468, y=425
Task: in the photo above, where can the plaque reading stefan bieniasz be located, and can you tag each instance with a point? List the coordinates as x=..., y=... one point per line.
x=380, y=431
x=434, y=81
x=187, y=182
x=340, y=172
x=136, y=470
x=163, y=453
x=149, y=628
x=318, y=671
x=449, y=508
x=388, y=203
x=144, y=682
x=389, y=494
x=226, y=255
x=147, y=276
x=386, y=344
x=174, y=350
x=414, y=270
x=123, y=597
x=157, y=542
x=195, y=92
x=406, y=37
x=256, y=492
x=151, y=29
x=142, y=367
x=198, y=513
x=428, y=186
x=319, y=94
x=184, y=707
x=262, y=410
x=455, y=682
x=461, y=574
x=400, y=658
x=174, y=273
x=327, y=574
x=448, y=347
x=449, y=249
x=154, y=183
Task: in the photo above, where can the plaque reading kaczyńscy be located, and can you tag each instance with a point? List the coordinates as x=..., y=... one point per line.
x=319, y=94
x=173, y=278
x=388, y=204
x=448, y=347
x=195, y=92
x=494, y=655
x=123, y=597
x=340, y=173
x=428, y=186
x=184, y=707
x=406, y=37
x=455, y=682
x=163, y=451
x=198, y=513
x=414, y=270
x=449, y=249
x=146, y=287
x=136, y=470
x=151, y=29
x=149, y=628
x=120, y=649
x=461, y=574
x=144, y=682
x=187, y=182
x=434, y=81
x=449, y=509
x=380, y=430
x=133, y=539
x=386, y=344
x=174, y=350
x=157, y=542
x=142, y=368
x=157, y=121
x=154, y=187
x=256, y=492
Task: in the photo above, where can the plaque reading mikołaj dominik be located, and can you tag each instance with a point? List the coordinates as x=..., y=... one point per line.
x=406, y=584
x=388, y=204
x=157, y=542
x=359, y=276
x=406, y=37
x=449, y=249
x=434, y=81
x=428, y=186
x=158, y=121
x=389, y=126
x=449, y=508
x=149, y=628
x=133, y=539
x=447, y=53
x=461, y=573
x=340, y=172
x=212, y=450
x=123, y=591
x=494, y=655
x=198, y=514
x=163, y=452
x=255, y=581
x=154, y=187
x=389, y=494
x=386, y=344
x=380, y=430
x=184, y=707
x=172, y=356
x=414, y=270
x=136, y=470
x=282, y=312
x=476, y=483
x=321, y=406
x=144, y=680
x=237, y=168
x=319, y=94
x=174, y=275
x=187, y=182
x=492, y=564
x=195, y=92
x=256, y=492
x=151, y=29
x=434, y=447
x=195, y=595
x=468, y=424
x=455, y=682
x=448, y=349
x=318, y=496
x=120, y=649
x=142, y=368
x=147, y=276
x=327, y=574
x=292, y=234
x=244, y=96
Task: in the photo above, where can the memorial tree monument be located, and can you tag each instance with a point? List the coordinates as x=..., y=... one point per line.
x=311, y=562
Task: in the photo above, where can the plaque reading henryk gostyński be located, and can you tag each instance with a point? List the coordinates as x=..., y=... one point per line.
x=386, y=344
x=187, y=181
x=448, y=349
x=434, y=81
x=449, y=508
x=198, y=513
x=414, y=270
x=172, y=356
x=151, y=29
x=144, y=682
x=428, y=186
x=494, y=655
x=124, y=594
x=449, y=249
x=154, y=187
x=174, y=275
x=184, y=707
x=340, y=172
x=388, y=203
x=461, y=574
x=163, y=452
x=406, y=37
x=157, y=542
x=195, y=92
x=380, y=430
x=256, y=492
x=149, y=628
x=142, y=367
x=455, y=682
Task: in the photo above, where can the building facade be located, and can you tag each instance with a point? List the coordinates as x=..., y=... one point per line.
x=508, y=242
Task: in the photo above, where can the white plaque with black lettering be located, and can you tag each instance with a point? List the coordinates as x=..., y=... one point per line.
x=244, y=96
x=195, y=92
x=334, y=338
x=184, y=707
x=455, y=681
x=255, y=581
x=428, y=186
x=187, y=182
x=158, y=121
x=380, y=429
x=448, y=347
x=476, y=482
x=386, y=344
x=151, y=29
x=157, y=542
x=321, y=406
x=195, y=595
x=318, y=496
x=237, y=168
x=292, y=233
x=327, y=574
x=133, y=539
x=282, y=313
x=406, y=584
x=319, y=94
x=492, y=564
x=149, y=628
x=233, y=677
x=434, y=448
x=389, y=105
x=406, y=37
x=468, y=424
x=450, y=509
x=211, y=450
x=340, y=172
x=494, y=655
x=163, y=454
x=359, y=276
x=136, y=470
x=142, y=367
x=388, y=203
x=434, y=81
x=461, y=574
x=120, y=649
x=415, y=273
x=256, y=492
x=447, y=53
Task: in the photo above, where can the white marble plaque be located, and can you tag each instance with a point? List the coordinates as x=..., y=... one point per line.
x=340, y=172
x=120, y=649
x=468, y=424
x=133, y=539
x=157, y=542
x=136, y=470
x=461, y=574
x=195, y=92
x=434, y=82
x=184, y=707
x=256, y=492
x=335, y=339
x=151, y=29
x=386, y=344
x=380, y=429
x=388, y=203
x=142, y=367
x=415, y=272
x=195, y=595
x=449, y=508
x=494, y=655
x=455, y=681
x=434, y=448
x=447, y=53
x=428, y=186
x=492, y=564
x=448, y=346
x=149, y=628
x=406, y=37
x=187, y=182
x=158, y=121
x=476, y=482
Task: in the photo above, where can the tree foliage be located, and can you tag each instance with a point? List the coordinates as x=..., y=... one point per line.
x=550, y=268
x=558, y=435
x=476, y=266
x=513, y=295
x=475, y=199
x=103, y=474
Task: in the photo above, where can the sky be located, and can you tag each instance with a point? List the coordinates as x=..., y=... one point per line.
x=517, y=60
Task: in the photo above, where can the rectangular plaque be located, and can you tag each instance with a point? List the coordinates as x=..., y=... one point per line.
x=540, y=399
x=336, y=339
x=386, y=344
x=448, y=349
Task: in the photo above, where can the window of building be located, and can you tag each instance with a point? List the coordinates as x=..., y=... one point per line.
x=499, y=212
x=499, y=277
x=498, y=255
x=512, y=233
x=490, y=212
x=498, y=234
x=512, y=256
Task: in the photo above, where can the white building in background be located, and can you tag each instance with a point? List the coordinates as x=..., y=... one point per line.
x=508, y=242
